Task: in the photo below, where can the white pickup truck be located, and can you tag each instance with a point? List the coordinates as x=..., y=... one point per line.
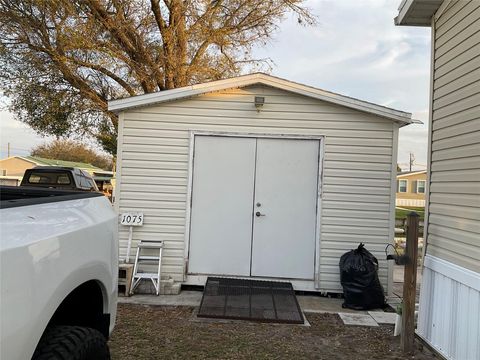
x=58, y=274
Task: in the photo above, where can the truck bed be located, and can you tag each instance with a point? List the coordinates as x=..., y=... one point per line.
x=14, y=196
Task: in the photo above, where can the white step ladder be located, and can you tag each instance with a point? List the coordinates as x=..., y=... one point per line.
x=150, y=260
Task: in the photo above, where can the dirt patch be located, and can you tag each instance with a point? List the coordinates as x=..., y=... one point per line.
x=154, y=332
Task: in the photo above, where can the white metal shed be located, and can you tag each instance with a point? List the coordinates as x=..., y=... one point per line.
x=257, y=176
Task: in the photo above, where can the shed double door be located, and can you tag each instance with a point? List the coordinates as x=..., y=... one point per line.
x=254, y=206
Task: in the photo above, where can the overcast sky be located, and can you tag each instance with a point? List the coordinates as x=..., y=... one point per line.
x=354, y=50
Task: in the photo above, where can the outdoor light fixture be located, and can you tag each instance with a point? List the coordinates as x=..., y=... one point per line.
x=259, y=101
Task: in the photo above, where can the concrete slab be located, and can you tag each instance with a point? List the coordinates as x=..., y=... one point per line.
x=394, y=300
x=357, y=319
x=320, y=304
x=185, y=298
x=398, y=272
x=308, y=303
x=383, y=317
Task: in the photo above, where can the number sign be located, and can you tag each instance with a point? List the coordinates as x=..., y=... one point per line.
x=132, y=219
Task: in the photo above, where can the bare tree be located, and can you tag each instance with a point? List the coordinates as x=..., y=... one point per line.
x=62, y=60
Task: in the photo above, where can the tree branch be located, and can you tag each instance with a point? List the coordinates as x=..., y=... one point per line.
x=155, y=5
x=106, y=72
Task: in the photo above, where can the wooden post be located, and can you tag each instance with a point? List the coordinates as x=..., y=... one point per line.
x=410, y=284
x=129, y=244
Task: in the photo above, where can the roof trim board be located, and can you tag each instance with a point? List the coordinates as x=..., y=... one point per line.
x=412, y=173
x=418, y=12
x=22, y=158
x=119, y=105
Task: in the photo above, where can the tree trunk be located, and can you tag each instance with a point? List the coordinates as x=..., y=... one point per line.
x=182, y=43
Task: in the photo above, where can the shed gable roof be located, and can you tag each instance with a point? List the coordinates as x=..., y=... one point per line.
x=119, y=105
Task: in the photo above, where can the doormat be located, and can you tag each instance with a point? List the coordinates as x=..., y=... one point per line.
x=240, y=299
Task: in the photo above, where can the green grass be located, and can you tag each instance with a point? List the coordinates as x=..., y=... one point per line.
x=404, y=211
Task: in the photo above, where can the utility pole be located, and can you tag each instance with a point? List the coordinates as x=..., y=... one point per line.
x=8, y=149
x=412, y=160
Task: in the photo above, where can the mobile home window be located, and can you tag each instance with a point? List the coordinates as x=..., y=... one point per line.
x=402, y=186
x=421, y=186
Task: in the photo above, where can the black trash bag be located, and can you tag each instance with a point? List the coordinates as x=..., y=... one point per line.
x=359, y=278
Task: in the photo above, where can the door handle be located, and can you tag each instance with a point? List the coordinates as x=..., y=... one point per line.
x=258, y=214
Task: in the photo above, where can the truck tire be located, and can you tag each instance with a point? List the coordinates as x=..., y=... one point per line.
x=72, y=343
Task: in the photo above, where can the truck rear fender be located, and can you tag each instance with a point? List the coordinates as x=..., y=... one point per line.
x=82, y=291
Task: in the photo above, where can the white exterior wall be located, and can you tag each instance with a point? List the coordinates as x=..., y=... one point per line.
x=359, y=184
x=454, y=204
x=449, y=316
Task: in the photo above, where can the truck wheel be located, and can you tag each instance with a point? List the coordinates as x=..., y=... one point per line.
x=72, y=343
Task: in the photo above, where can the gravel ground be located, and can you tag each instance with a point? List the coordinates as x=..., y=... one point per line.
x=155, y=332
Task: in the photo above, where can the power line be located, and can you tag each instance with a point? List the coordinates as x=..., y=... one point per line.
x=16, y=148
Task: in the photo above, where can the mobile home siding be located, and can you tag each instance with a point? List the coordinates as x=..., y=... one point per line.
x=454, y=206
x=448, y=317
x=450, y=294
x=357, y=176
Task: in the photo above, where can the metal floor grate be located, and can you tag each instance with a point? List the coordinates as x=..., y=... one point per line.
x=264, y=301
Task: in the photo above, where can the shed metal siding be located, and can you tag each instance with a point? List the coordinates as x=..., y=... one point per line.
x=357, y=168
x=454, y=207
